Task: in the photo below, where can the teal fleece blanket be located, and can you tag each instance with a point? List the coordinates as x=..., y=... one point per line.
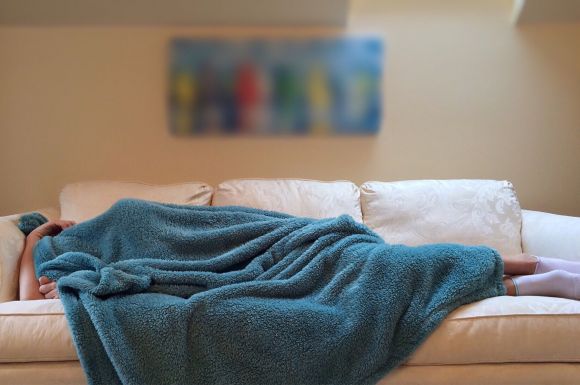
x=168, y=294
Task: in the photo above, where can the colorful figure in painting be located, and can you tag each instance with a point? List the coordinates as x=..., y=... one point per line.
x=319, y=101
x=287, y=101
x=210, y=111
x=248, y=97
x=184, y=94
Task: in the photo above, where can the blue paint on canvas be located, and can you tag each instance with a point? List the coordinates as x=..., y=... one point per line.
x=315, y=86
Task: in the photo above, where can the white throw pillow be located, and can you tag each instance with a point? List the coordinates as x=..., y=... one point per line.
x=85, y=200
x=471, y=212
x=10, y=250
x=551, y=235
x=11, y=245
x=306, y=198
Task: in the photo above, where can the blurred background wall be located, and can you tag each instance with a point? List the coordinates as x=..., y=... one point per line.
x=466, y=95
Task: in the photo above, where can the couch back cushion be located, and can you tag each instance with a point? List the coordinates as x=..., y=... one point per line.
x=471, y=212
x=307, y=198
x=85, y=200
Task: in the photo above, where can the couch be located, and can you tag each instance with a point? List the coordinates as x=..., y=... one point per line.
x=501, y=340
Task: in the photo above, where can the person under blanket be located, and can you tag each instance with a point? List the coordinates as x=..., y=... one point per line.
x=525, y=274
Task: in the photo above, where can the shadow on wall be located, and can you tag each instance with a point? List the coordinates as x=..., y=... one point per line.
x=552, y=56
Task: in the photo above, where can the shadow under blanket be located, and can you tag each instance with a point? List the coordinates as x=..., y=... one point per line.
x=169, y=294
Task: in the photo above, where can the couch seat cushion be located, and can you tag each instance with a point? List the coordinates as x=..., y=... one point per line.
x=34, y=331
x=85, y=200
x=471, y=212
x=505, y=329
x=307, y=198
x=495, y=330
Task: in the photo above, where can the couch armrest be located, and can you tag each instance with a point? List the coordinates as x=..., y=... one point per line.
x=11, y=245
x=551, y=235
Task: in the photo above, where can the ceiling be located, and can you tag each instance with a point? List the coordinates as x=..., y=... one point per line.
x=325, y=13
x=546, y=11
x=332, y=13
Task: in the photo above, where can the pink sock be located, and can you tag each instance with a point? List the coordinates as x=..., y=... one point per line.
x=557, y=283
x=546, y=265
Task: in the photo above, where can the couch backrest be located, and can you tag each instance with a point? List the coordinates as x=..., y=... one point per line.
x=471, y=212
x=306, y=198
x=85, y=200
x=474, y=212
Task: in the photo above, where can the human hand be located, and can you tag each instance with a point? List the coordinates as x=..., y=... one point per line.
x=50, y=228
x=48, y=288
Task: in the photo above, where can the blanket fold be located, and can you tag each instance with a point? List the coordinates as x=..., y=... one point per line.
x=167, y=294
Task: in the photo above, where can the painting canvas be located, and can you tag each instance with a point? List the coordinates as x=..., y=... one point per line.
x=286, y=86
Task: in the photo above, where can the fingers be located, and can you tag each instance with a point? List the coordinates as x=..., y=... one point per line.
x=53, y=294
x=44, y=280
x=64, y=224
x=47, y=288
x=53, y=228
x=59, y=225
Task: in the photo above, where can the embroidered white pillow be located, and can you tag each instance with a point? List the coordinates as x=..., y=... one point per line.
x=471, y=212
x=308, y=198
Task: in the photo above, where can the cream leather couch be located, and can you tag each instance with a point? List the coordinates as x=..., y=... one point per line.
x=501, y=340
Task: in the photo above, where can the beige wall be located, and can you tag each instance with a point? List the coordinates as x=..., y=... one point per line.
x=467, y=95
